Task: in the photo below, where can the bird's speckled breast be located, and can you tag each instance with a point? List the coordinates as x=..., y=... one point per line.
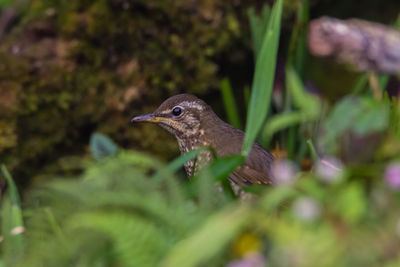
x=193, y=166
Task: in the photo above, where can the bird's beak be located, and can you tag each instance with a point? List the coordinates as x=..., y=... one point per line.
x=148, y=118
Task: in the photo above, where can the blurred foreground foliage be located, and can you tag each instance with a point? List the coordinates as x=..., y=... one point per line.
x=117, y=213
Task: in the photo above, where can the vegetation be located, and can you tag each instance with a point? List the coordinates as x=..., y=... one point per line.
x=335, y=201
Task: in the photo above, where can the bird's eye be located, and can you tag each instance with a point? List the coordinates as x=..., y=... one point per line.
x=177, y=111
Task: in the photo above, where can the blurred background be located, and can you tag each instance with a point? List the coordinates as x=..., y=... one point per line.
x=71, y=68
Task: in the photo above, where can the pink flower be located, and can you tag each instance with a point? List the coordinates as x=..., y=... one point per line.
x=392, y=175
x=306, y=209
x=284, y=172
x=251, y=260
x=329, y=169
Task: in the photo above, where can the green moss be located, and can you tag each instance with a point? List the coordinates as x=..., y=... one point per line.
x=8, y=138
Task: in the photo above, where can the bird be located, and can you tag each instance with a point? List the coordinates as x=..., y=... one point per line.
x=194, y=124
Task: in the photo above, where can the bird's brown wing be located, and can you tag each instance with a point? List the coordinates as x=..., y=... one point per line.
x=245, y=175
x=256, y=169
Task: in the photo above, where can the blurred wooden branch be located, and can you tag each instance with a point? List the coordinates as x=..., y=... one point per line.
x=365, y=45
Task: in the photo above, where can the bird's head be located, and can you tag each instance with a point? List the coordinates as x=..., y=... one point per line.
x=182, y=115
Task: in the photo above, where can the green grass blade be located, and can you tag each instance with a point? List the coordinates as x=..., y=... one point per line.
x=230, y=104
x=263, y=78
x=383, y=82
x=309, y=106
x=178, y=162
x=360, y=84
x=204, y=186
x=11, y=185
x=246, y=95
x=307, y=102
x=313, y=151
x=182, y=159
x=297, y=47
x=273, y=199
x=280, y=122
x=12, y=223
x=258, y=26
x=222, y=167
x=219, y=170
x=397, y=22
x=55, y=226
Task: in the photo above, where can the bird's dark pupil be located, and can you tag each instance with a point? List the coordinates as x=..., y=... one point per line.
x=177, y=111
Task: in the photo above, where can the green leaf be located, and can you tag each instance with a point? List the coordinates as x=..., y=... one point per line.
x=11, y=217
x=6, y=3
x=258, y=27
x=350, y=203
x=102, y=146
x=312, y=188
x=313, y=151
x=178, y=162
x=307, y=102
x=397, y=22
x=374, y=117
x=343, y=115
x=209, y=239
x=131, y=235
x=218, y=170
x=222, y=167
x=230, y=104
x=279, y=122
x=309, y=106
x=275, y=197
x=360, y=84
x=394, y=115
x=383, y=82
x=12, y=187
x=297, y=52
x=263, y=78
x=182, y=159
x=362, y=115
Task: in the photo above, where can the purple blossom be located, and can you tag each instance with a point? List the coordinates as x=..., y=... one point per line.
x=251, y=260
x=329, y=169
x=392, y=175
x=306, y=209
x=284, y=172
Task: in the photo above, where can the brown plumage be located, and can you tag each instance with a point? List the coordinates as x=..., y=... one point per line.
x=194, y=124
